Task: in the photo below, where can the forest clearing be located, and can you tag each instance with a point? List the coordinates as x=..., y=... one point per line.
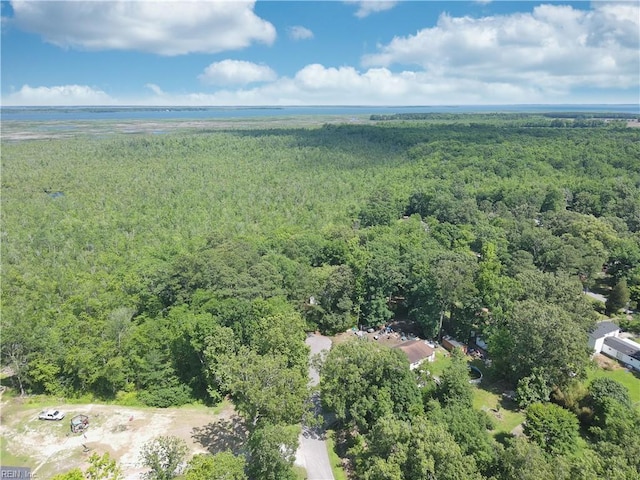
x=49, y=448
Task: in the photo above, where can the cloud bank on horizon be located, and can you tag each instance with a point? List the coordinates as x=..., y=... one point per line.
x=319, y=53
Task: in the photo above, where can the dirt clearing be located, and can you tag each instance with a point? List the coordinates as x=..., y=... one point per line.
x=49, y=447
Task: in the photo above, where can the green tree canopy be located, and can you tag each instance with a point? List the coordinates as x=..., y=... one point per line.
x=543, y=338
x=362, y=381
x=265, y=389
x=163, y=457
x=272, y=449
x=220, y=466
x=552, y=427
x=454, y=387
x=415, y=450
x=618, y=298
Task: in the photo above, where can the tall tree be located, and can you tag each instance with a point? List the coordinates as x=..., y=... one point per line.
x=552, y=427
x=163, y=457
x=540, y=337
x=453, y=274
x=524, y=460
x=362, y=381
x=618, y=298
x=415, y=450
x=454, y=387
x=272, y=449
x=265, y=389
x=470, y=429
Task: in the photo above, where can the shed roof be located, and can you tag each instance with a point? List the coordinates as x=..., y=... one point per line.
x=629, y=348
x=604, y=328
x=416, y=350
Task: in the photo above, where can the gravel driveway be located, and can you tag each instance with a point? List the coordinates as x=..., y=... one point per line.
x=312, y=452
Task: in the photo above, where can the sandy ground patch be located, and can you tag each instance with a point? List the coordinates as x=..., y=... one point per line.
x=122, y=431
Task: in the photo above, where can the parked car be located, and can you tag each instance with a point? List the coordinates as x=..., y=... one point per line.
x=51, y=415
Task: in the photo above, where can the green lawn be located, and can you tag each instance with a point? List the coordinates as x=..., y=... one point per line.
x=628, y=379
x=487, y=396
x=441, y=362
x=506, y=418
x=336, y=463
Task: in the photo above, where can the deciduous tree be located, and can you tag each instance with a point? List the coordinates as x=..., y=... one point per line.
x=553, y=428
x=163, y=457
x=220, y=466
x=272, y=449
x=362, y=381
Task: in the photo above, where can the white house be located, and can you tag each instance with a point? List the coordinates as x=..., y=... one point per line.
x=602, y=331
x=418, y=351
x=605, y=339
x=624, y=350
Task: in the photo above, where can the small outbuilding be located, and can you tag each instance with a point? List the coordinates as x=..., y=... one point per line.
x=79, y=423
x=450, y=344
x=417, y=351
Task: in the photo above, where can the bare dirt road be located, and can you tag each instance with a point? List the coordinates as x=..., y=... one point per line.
x=312, y=453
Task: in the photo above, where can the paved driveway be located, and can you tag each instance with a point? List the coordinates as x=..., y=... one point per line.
x=597, y=296
x=312, y=452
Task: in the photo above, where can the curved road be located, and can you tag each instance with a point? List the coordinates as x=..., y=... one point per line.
x=312, y=452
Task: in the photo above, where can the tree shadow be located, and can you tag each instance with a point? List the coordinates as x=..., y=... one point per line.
x=504, y=438
x=222, y=435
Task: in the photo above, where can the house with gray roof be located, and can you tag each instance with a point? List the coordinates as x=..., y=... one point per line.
x=622, y=349
x=603, y=330
x=605, y=339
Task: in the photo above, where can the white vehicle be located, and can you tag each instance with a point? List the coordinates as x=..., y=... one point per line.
x=51, y=415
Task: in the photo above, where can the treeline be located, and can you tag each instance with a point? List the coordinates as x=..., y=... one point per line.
x=560, y=119
x=586, y=115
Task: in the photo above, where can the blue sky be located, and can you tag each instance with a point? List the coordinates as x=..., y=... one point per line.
x=319, y=53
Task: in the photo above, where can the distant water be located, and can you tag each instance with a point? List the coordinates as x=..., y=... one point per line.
x=35, y=114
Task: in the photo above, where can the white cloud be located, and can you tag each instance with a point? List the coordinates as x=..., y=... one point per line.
x=155, y=89
x=552, y=48
x=161, y=27
x=299, y=32
x=367, y=7
x=236, y=72
x=62, y=95
x=317, y=84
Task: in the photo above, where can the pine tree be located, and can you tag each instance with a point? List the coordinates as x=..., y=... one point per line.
x=618, y=298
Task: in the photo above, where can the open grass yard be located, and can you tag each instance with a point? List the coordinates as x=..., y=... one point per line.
x=443, y=360
x=504, y=412
x=628, y=378
x=487, y=396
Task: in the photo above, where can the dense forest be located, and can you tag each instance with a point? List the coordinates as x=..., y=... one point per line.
x=167, y=269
